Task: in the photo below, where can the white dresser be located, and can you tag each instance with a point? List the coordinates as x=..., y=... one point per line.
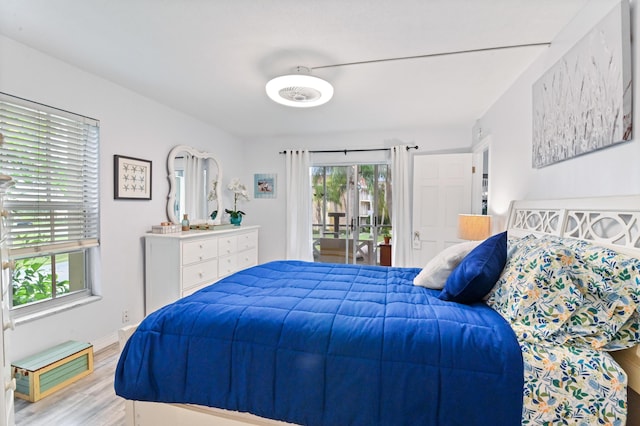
x=178, y=264
x=6, y=380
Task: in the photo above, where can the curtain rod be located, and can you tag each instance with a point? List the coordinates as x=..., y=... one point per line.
x=345, y=151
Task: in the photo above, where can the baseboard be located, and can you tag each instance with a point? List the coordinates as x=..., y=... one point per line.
x=105, y=341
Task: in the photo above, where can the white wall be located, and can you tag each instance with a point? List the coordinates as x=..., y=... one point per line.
x=130, y=125
x=612, y=171
x=262, y=156
x=135, y=126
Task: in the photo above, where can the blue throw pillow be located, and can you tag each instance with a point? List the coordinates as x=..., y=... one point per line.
x=478, y=272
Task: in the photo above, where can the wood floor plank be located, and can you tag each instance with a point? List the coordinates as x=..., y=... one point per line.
x=91, y=401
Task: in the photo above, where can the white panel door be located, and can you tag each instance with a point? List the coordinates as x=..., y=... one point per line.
x=441, y=191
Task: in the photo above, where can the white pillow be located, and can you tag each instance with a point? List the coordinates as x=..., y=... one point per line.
x=436, y=272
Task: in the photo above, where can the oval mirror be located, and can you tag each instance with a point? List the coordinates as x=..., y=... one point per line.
x=194, y=178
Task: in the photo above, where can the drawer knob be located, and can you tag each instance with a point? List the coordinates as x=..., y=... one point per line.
x=11, y=385
x=9, y=265
x=4, y=213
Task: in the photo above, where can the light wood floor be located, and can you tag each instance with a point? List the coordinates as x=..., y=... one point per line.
x=91, y=401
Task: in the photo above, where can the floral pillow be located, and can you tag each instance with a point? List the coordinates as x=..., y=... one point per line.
x=535, y=292
x=610, y=284
x=570, y=291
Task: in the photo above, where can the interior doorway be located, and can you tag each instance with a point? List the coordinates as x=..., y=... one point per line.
x=442, y=188
x=480, y=191
x=351, y=212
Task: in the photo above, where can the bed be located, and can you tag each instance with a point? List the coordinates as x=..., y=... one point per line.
x=364, y=345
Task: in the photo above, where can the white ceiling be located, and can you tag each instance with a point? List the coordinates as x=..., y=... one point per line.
x=212, y=58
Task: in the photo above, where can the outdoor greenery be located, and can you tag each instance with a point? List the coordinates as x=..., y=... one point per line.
x=330, y=184
x=33, y=280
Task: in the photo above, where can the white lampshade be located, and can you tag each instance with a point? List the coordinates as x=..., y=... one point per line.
x=474, y=226
x=299, y=90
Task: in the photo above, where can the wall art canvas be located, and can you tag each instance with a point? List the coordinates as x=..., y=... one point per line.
x=583, y=103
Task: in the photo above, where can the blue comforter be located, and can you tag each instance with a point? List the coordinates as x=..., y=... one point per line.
x=327, y=344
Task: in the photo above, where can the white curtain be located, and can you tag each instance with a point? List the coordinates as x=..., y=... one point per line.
x=195, y=201
x=299, y=243
x=401, y=254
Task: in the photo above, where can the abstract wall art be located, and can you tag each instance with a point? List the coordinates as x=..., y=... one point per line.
x=583, y=103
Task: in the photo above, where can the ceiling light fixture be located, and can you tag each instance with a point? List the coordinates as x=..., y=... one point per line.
x=299, y=89
x=302, y=90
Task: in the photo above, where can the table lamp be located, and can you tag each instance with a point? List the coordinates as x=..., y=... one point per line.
x=474, y=226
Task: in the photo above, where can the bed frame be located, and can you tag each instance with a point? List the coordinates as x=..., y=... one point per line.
x=607, y=221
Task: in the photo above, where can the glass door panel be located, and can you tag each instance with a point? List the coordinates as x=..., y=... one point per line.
x=330, y=204
x=352, y=206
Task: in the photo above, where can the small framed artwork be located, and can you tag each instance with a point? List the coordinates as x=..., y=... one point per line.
x=132, y=178
x=264, y=186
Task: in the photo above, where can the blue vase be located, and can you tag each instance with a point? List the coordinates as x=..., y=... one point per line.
x=236, y=220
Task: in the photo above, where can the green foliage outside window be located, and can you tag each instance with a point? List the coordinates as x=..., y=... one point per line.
x=34, y=281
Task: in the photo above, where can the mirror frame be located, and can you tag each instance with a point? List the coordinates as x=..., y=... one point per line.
x=171, y=169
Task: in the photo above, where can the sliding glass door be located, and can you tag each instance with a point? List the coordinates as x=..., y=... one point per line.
x=352, y=211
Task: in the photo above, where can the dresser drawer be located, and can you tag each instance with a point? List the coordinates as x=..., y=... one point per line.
x=192, y=290
x=247, y=258
x=227, y=245
x=228, y=265
x=198, y=273
x=247, y=241
x=196, y=251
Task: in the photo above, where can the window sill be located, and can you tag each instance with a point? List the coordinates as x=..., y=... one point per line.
x=56, y=310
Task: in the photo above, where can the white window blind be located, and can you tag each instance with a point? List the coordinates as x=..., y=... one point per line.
x=52, y=156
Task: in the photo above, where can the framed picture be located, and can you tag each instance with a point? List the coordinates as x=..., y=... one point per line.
x=132, y=178
x=264, y=186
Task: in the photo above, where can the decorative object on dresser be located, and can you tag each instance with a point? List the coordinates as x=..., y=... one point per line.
x=178, y=264
x=132, y=178
x=239, y=193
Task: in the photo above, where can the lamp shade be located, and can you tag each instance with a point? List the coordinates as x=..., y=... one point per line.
x=299, y=90
x=474, y=226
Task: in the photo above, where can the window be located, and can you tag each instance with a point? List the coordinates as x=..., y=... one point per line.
x=53, y=220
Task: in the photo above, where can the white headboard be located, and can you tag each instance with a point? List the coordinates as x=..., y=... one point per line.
x=607, y=221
